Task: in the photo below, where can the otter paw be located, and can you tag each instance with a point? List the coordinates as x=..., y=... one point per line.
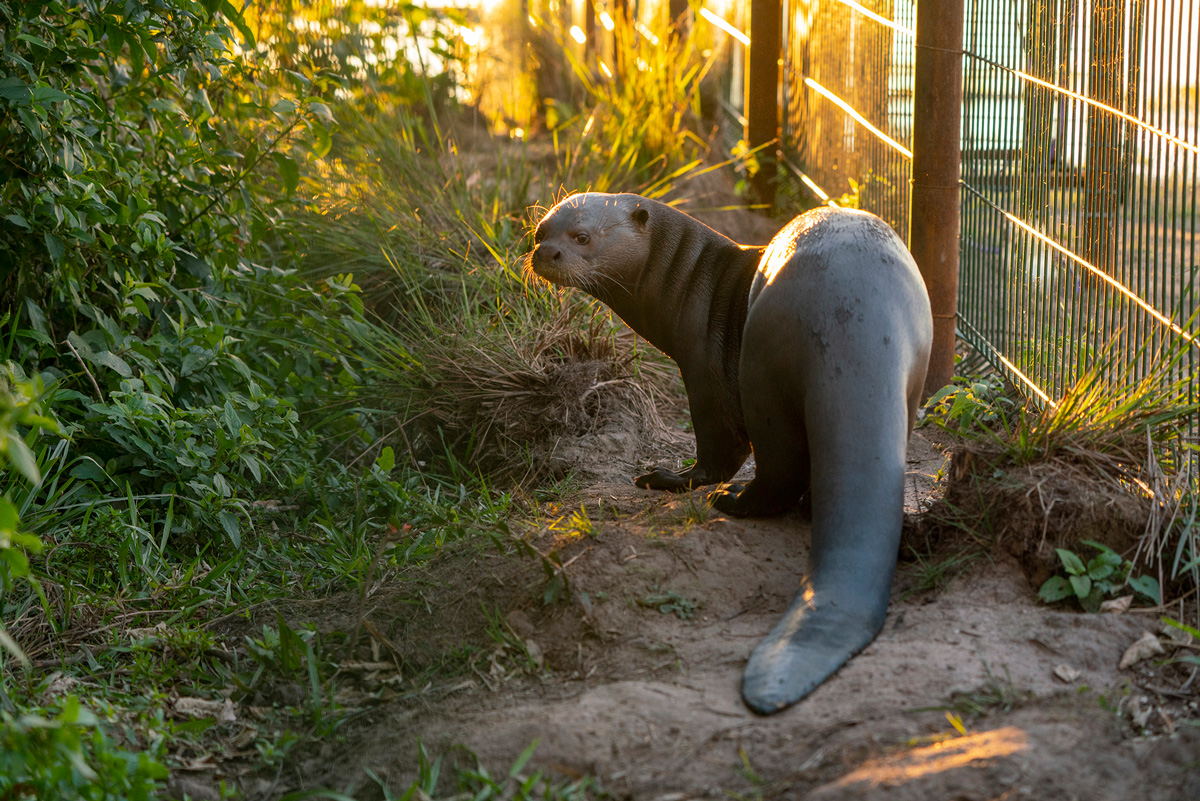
x=661, y=479
x=725, y=499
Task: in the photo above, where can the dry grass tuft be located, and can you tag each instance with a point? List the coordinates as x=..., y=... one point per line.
x=506, y=404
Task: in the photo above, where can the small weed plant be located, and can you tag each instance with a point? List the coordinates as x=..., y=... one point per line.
x=1104, y=575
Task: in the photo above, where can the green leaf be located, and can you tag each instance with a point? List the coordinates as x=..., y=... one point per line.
x=1082, y=585
x=1072, y=563
x=321, y=110
x=322, y=141
x=233, y=15
x=1055, y=589
x=54, y=247
x=1101, y=566
x=288, y=171
x=8, y=516
x=48, y=94
x=113, y=362
x=523, y=759
x=13, y=88
x=232, y=526
x=22, y=458
x=1148, y=586
x=283, y=106
x=386, y=459
x=19, y=221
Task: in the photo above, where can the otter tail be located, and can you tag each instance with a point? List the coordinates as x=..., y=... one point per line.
x=857, y=485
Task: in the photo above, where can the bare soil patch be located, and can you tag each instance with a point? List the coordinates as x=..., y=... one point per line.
x=634, y=677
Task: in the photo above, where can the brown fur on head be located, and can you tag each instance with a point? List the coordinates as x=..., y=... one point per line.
x=592, y=240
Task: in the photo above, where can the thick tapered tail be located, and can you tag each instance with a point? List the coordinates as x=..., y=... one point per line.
x=815, y=637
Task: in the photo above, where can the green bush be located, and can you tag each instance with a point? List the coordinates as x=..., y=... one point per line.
x=67, y=756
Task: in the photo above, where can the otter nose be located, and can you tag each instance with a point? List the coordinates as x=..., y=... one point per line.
x=549, y=252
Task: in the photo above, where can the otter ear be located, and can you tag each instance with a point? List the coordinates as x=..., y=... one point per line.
x=640, y=215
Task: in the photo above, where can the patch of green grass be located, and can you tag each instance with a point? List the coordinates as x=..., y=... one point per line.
x=932, y=573
x=995, y=695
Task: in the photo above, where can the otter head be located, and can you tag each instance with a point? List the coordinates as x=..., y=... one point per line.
x=593, y=241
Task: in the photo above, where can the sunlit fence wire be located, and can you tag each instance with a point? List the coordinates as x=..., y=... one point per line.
x=847, y=122
x=1079, y=159
x=1079, y=183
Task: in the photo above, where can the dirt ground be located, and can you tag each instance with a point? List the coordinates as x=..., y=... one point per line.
x=634, y=678
x=615, y=639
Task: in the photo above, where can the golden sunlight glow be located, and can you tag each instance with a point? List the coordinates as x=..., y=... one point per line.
x=532, y=21
x=591, y=121
x=644, y=31
x=938, y=758
x=860, y=119
x=1114, y=283
x=608, y=73
x=642, y=65
x=577, y=34
x=1028, y=382
x=725, y=26
x=778, y=253
x=469, y=35
x=518, y=133
x=816, y=189
x=607, y=21
x=881, y=20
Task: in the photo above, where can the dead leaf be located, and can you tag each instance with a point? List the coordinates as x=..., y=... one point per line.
x=244, y=737
x=1117, y=606
x=221, y=711
x=1147, y=646
x=1177, y=636
x=1066, y=673
x=535, y=653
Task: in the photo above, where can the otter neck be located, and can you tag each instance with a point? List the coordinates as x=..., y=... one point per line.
x=692, y=294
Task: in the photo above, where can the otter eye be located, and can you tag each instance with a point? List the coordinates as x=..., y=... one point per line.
x=582, y=238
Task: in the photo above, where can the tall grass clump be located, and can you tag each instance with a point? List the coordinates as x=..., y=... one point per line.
x=478, y=364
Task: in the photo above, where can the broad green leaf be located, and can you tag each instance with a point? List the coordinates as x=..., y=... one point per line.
x=1072, y=563
x=21, y=457
x=13, y=88
x=48, y=94
x=113, y=362
x=1082, y=585
x=386, y=459
x=288, y=171
x=232, y=526
x=1148, y=586
x=1055, y=589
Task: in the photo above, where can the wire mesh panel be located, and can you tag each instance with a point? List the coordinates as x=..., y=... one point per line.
x=1079, y=182
x=847, y=128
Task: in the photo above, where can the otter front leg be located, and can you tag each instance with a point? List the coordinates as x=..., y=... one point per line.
x=722, y=445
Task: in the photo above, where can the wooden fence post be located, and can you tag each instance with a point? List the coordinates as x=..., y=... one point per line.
x=937, y=155
x=762, y=90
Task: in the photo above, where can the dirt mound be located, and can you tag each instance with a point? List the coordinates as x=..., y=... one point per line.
x=1030, y=510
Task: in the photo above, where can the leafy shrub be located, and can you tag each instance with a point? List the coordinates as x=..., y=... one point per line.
x=67, y=756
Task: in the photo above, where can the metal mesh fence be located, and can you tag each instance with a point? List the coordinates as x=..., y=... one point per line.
x=1079, y=159
x=1079, y=184
x=847, y=122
